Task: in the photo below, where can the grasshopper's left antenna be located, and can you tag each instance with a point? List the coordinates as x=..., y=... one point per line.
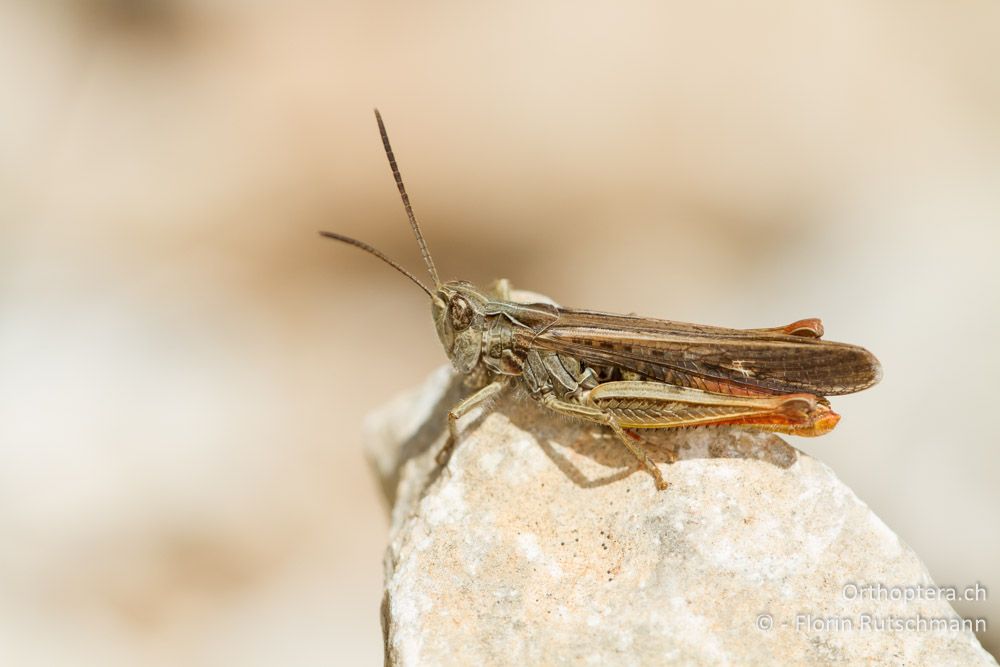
x=406, y=201
x=378, y=253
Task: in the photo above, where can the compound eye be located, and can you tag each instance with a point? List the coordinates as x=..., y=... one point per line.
x=461, y=313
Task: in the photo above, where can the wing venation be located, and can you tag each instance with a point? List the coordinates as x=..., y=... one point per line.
x=712, y=358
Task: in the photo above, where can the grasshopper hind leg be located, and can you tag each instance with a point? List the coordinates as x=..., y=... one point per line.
x=639, y=452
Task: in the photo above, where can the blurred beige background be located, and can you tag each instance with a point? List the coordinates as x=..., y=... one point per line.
x=184, y=364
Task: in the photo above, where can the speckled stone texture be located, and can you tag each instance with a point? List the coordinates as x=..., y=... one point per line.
x=542, y=543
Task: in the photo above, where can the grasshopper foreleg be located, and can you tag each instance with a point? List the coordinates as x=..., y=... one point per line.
x=464, y=407
x=501, y=288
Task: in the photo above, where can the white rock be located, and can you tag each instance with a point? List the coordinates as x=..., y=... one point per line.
x=541, y=542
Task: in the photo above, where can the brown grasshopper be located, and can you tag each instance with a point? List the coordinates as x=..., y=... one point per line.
x=629, y=372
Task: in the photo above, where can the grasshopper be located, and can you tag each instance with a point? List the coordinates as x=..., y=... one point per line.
x=627, y=372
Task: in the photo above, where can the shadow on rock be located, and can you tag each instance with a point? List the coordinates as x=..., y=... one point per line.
x=555, y=433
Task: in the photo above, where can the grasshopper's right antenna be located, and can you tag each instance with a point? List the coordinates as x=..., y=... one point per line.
x=406, y=201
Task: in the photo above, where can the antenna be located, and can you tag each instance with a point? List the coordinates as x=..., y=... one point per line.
x=406, y=201
x=367, y=248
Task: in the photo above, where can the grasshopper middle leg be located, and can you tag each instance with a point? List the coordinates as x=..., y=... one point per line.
x=608, y=419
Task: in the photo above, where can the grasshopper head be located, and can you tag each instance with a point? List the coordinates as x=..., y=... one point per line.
x=458, y=309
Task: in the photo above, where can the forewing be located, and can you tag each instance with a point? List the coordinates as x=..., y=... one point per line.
x=716, y=359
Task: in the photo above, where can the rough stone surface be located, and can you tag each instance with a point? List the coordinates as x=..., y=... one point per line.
x=541, y=542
